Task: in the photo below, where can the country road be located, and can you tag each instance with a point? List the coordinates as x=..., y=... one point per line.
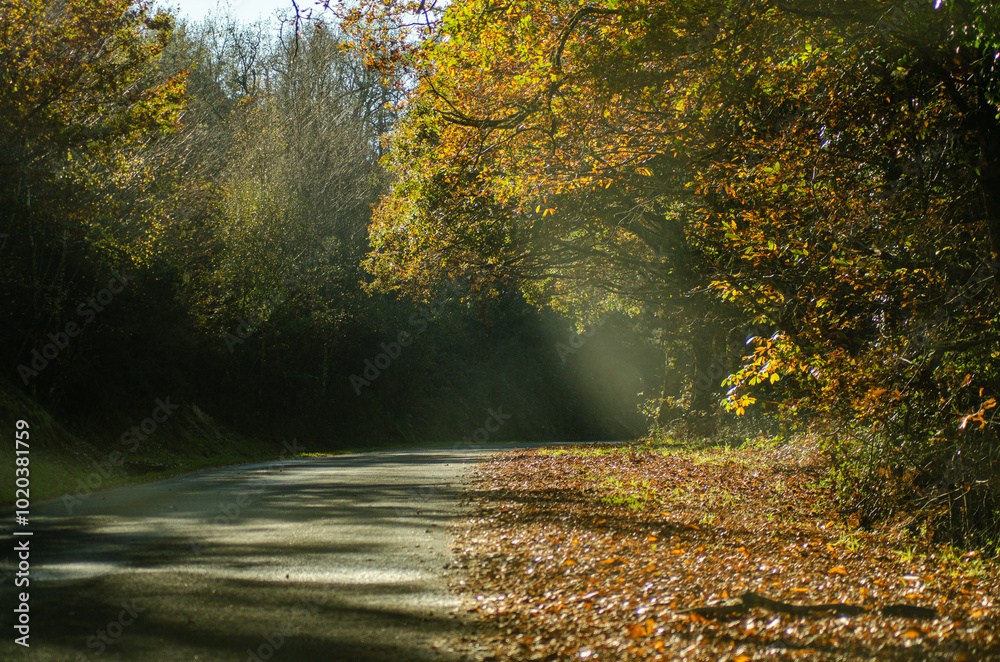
x=323, y=559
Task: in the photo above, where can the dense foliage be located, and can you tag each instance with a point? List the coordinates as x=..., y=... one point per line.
x=183, y=211
x=799, y=200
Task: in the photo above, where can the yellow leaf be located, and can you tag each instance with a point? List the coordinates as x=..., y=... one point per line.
x=742, y=658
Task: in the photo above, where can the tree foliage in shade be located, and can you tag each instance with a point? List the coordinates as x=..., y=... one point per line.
x=80, y=101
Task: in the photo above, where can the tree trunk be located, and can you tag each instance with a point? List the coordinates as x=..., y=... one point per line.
x=989, y=181
x=671, y=391
x=708, y=367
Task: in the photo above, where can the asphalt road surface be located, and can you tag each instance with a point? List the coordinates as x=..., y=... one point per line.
x=324, y=559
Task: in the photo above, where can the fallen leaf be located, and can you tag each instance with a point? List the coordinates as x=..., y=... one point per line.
x=838, y=570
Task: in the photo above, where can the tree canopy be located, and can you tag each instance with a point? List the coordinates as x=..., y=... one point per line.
x=801, y=200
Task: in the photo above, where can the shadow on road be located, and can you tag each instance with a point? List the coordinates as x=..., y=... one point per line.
x=336, y=558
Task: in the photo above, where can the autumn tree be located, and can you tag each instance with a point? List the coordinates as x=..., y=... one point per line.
x=296, y=195
x=803, y=193
x=80, y=96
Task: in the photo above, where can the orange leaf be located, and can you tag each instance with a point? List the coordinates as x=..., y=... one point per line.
x=742, y=658
x=912, y=633
x=838, y=570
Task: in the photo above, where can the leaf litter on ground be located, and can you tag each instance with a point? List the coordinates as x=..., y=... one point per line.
x=595, y=553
